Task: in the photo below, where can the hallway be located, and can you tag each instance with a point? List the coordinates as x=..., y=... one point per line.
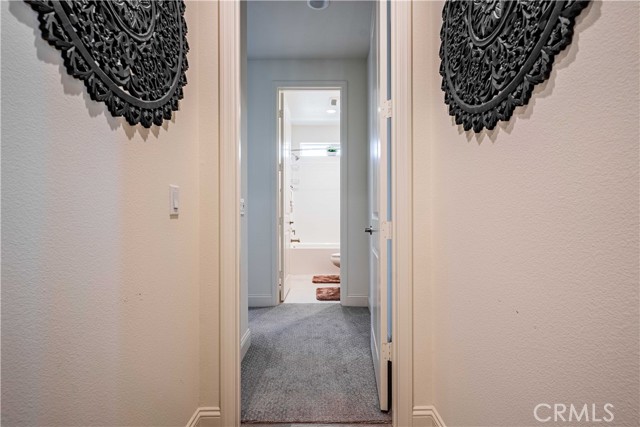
x=130, y=250
x=310, y=363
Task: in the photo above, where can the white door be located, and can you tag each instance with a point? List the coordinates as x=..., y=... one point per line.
x=379, y=212
x=285, y=200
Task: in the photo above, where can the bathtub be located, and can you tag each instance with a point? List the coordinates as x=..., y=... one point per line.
x=313, y=258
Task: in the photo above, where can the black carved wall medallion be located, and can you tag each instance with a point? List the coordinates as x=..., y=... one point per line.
x=493, y=53
x=131, y=54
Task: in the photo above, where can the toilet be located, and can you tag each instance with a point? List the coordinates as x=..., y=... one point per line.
x=335, y=259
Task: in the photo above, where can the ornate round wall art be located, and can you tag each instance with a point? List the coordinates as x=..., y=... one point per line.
x=131, y=54
x=493, y=53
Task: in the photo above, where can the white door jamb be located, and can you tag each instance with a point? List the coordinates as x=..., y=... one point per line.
x=402, y=208
x=229, y=170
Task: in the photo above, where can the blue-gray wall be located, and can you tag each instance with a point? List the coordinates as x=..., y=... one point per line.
x=264, y=76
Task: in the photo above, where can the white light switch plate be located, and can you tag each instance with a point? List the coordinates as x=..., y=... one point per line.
x=174, y=200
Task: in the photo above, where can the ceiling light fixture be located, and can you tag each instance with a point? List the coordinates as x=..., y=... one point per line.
x=318, y=4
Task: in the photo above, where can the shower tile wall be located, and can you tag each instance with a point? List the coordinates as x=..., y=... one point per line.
x=316, y=188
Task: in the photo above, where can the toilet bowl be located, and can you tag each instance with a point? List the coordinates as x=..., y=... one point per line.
x=335, y=259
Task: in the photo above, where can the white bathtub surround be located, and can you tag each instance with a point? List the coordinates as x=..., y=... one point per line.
x=315, y=184
x=316, y=199
x=313, y=258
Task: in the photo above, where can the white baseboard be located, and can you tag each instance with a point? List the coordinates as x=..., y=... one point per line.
x=245, y=343
x=426, y=416
x=205, y=417
x=261, y=301
x=359, y=301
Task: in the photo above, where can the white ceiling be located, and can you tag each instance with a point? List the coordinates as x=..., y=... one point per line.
x=309, y=107
x=292, y=30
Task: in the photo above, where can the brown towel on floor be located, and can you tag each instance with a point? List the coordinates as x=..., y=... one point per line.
x=330, y=278
x=328, y=294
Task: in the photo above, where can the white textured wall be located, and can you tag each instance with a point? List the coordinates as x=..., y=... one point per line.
x=526, y=250
x=262, y=152
x=209, y=226
x=100, y=288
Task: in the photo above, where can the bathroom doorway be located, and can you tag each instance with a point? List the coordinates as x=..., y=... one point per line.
x=310, y=152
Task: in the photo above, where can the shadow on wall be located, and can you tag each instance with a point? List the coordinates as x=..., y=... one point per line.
x=75, y=87
x=562, y=60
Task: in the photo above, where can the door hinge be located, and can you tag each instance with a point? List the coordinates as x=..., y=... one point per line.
x=387, y=109
x=387, y=230
x=280, y=114
x=386, y=351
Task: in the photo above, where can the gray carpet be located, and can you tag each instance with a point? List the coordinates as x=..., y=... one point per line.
x=310, y=363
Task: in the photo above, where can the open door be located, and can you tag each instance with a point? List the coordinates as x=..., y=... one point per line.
x=285, y=202
x=379, y=206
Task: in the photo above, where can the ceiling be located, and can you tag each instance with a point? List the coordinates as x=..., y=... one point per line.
x=309, y=107
x=292, y=30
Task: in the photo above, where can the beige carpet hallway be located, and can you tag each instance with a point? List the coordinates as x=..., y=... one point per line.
x=310, y=363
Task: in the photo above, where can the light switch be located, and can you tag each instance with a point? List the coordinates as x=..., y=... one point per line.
x=174, y=200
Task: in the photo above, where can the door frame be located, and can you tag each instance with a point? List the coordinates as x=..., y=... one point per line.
x=402, y=211
x=341, y=86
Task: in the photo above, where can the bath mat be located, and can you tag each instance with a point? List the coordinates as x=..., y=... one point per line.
x=329, y=278
x=328, y=294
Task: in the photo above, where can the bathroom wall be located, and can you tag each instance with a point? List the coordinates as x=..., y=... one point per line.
x=263, y=79
x=316, y=133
